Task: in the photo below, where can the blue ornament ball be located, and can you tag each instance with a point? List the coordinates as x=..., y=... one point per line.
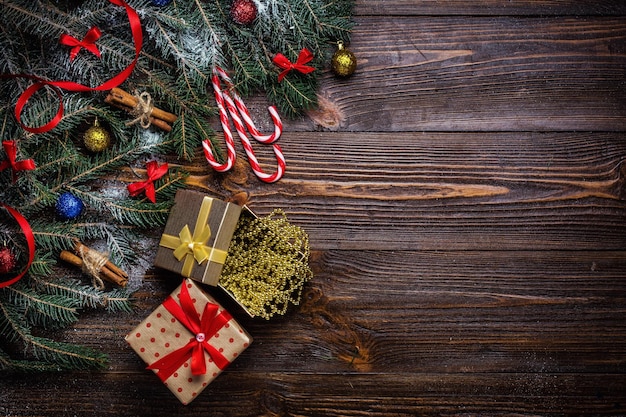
x=161, y=2
x=69, y=206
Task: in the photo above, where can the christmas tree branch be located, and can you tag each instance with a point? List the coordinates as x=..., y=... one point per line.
x=42, y=309
x=66, y=356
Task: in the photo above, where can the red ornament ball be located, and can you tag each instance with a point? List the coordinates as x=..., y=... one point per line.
x=7, y=260
x=243, y=11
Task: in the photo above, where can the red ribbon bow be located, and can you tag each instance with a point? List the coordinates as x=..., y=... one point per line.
x=10, y=147
x=88, y=42
x=202, y=327
x=304, y=57
x=154, y=171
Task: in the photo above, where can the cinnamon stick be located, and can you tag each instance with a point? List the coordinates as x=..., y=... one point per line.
x=105, y=272
x=161, y=124
x=79, y=247
x=122, y=97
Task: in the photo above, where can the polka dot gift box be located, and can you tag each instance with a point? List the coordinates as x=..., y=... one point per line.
x=188, y=341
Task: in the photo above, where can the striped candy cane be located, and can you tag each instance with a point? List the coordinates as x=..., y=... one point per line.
x=235, y=108
x=228, y=136
x=254, y=163
x=245, y=114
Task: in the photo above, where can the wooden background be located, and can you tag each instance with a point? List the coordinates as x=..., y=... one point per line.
x=464, y=196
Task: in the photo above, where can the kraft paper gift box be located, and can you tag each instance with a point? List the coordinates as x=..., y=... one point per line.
x=196, y=237
x=188, y=340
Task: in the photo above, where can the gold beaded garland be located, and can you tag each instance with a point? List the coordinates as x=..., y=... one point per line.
x=267, y=264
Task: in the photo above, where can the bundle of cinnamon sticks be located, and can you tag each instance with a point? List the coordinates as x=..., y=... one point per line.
x=108, y=271
x=128, y=102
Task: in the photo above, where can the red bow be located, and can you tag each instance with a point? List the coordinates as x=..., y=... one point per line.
x=88, y=42
x=304, y=57
x=10, y=147
x=154, y=172
x=202, y=327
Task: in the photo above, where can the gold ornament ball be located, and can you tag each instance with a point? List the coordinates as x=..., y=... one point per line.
x=343, y=61
x=97, y=138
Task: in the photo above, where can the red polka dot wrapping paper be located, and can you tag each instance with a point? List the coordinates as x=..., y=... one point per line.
x=161, y=333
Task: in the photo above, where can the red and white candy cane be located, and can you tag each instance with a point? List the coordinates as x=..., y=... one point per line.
x=228, y=136
x=224, y=101
x=245, y=114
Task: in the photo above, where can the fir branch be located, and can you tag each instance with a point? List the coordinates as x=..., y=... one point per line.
x=62, y=355
x=51, y=311
x=8, y=364
x=86, y=296
x=117, y=300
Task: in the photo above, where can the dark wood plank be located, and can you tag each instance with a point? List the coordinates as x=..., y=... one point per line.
x=396, y=8
x=482, y=74
x=416, y=332
x=313, y=394
x=447, y=311
x=506, y=191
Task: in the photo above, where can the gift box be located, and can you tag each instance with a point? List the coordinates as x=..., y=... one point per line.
x=196, y=237
x=188, y=340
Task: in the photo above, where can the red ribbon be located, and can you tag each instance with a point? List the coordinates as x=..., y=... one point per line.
x=10, y=147
x=154, y=171
x=88, y=42
x=304, y=57
x=203, y=327
x=30, y=242
x=135, y=27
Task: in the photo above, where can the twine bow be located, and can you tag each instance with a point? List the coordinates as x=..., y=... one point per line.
x=10, y=147
x=154, y=171
x=188, y=247
x=304, y=57
x=88, y=42
x=203, y=327
x=142, y=111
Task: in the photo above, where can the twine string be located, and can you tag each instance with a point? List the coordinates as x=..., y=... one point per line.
x=93, y=262
x=142, y=111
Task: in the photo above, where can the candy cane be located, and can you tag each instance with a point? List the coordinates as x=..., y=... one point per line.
x=254, y=163
x=228, y=136
x=226, y=105
x=245, y=114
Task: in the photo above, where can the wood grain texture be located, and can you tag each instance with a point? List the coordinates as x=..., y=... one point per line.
x=469, y=74
x=491, y=7
x=465, y=201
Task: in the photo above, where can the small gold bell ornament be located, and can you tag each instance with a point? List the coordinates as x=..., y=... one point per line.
x=343, y=62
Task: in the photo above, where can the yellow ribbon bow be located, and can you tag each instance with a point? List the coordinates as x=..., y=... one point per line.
x=190, y=247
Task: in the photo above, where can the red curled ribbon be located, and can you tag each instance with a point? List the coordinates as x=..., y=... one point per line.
x=135, y=27
x=30, y=242
x=10, y=147
x=154, y=171
x=304, y=57
x=202, y=327
x=88, y=42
